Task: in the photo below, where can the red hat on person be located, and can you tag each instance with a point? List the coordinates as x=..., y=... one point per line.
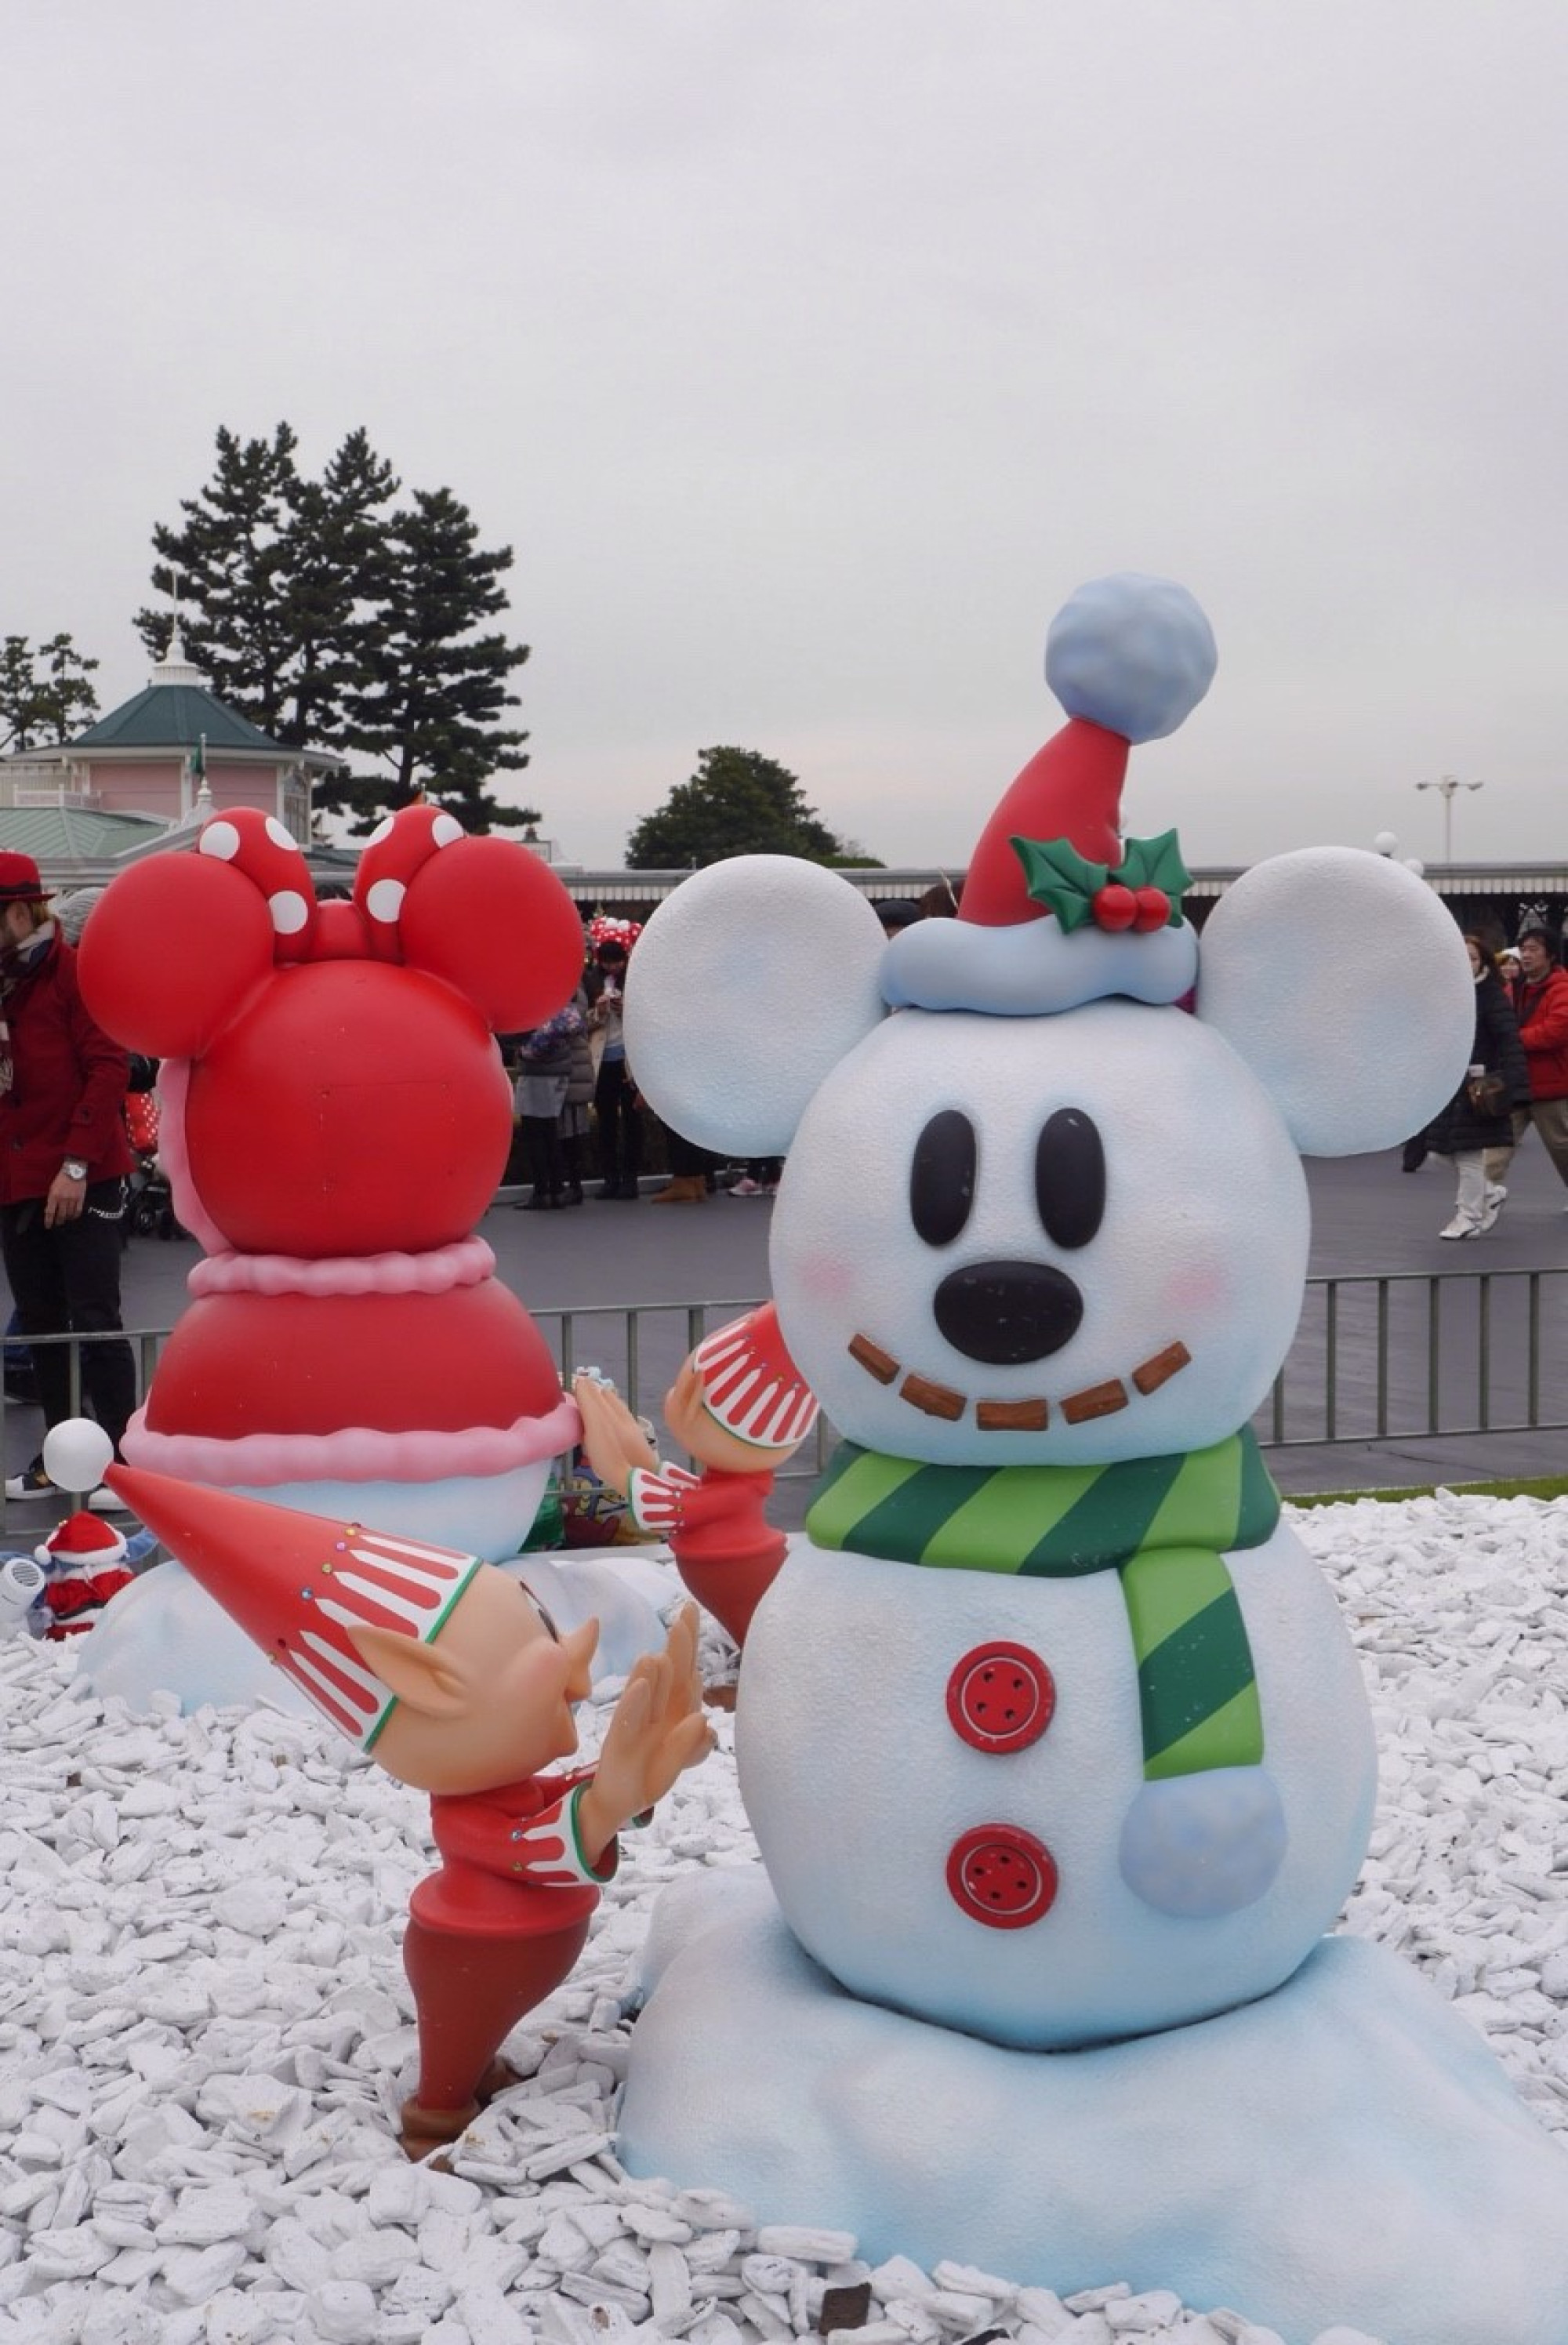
x=20, y=882
x=752, y=1387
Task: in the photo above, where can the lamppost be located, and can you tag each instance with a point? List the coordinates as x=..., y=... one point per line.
x=1448, y=785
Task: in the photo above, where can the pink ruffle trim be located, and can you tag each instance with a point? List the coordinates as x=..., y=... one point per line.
x=173, y=1089
x=357, y=1453
x=467, y=1263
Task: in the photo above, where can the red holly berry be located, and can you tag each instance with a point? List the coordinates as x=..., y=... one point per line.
x=1115, y=907
x=1153, y=909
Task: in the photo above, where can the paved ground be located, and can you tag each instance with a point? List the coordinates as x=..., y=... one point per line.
x=579, y=1271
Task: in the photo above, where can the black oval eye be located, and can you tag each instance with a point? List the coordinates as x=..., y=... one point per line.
x=942, y=1177
x=1069, y=1177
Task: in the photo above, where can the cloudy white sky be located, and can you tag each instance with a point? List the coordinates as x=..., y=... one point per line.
x=809, y=352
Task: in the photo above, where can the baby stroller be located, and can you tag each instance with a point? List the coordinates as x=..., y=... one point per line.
x=149, y=1209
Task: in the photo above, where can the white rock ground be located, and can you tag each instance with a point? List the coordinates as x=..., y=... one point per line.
x=204, y=2031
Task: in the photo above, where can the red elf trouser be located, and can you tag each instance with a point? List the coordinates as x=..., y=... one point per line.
x=470, y=1989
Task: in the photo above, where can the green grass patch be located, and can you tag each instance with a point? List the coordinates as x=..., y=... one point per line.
x=1541, y=1485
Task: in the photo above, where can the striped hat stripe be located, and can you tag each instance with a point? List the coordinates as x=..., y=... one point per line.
x=418, y=1582
x=401, y=1607
x=725, y=1344
x=725, y=1390
x=362, y=1686
x=440, y=1562
x=319, y=1689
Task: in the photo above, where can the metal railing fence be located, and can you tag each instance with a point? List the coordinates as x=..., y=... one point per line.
x=1391, y=1356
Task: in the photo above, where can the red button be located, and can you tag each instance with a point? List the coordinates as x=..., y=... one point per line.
x=1002, y=1875
x=1001, y=1698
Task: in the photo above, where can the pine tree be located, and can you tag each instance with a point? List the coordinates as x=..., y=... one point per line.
x=340, y=577
x=333, y=623
x=228, y=568
x=51, y=707
x=66, y=700
x=434, y=707
x=738, y=802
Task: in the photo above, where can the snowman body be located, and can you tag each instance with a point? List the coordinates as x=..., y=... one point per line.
x=1054, y=1744
x=886, y=1827
x=1048, y=1728
x=943, y=1759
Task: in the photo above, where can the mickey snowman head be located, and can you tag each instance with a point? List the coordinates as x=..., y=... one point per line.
x=1045, y=1214
x=1049, y=1220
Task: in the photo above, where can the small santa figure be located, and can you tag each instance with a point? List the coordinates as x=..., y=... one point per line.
x=87, y=1562
x=741, y=1406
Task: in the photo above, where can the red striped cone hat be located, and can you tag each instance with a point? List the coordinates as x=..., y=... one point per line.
x=752, y=1387
x=295, y=1583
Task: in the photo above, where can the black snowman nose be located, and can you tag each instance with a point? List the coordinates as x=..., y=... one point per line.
x=1008, y=1312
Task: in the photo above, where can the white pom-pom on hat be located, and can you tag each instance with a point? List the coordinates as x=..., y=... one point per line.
x=1131, y=652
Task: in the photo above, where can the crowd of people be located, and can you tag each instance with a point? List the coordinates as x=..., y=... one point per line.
x=65, y=1158
x=578, y=1060
x=1517, y=1078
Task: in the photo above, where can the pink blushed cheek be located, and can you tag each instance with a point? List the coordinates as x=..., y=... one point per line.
x=825, y=1278
x=1197, y=1291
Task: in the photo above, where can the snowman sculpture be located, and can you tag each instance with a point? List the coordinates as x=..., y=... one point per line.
x=1048, y=1729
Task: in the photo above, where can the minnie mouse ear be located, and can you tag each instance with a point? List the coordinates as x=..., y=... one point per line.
x=482, y=913
x=171, y=953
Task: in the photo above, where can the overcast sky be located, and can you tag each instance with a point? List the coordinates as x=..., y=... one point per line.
x=809, y=352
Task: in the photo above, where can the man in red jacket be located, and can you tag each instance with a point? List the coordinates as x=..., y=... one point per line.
x=62, y=1160
x=1539, y=996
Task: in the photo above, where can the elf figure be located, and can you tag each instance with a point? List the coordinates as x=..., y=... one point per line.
x=452, y=1677
x=741, y=1408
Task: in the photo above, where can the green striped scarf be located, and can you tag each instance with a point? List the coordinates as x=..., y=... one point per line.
x=1162, y=1524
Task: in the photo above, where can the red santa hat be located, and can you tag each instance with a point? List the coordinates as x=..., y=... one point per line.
x=83, y=1542
x=1057, y=908
x=295, y=1583
x=752, y=1387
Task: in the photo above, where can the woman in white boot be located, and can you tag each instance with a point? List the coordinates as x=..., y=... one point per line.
x=1478, y=1116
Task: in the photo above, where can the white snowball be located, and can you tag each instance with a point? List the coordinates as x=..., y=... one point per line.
x=77, y=1454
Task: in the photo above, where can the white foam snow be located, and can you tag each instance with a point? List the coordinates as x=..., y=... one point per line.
x=205, y=2032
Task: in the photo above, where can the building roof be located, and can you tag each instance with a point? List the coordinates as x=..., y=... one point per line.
x=176, y=716
x=61, y=835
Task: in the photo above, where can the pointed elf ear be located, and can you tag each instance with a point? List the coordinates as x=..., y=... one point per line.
x=418, y=1674
x=748, y=986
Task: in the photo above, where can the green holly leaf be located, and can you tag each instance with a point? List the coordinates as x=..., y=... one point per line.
x=1058, y=877
x=1156, y=863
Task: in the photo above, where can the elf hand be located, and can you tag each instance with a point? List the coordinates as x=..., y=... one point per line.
x=614, y=1443
x=658, y=1730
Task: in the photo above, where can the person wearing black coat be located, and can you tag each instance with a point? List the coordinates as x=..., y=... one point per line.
x=1478, y=1116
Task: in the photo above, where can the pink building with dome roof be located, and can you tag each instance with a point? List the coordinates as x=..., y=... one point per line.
x=172, y=754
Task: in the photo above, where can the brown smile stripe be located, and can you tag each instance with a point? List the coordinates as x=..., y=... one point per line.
x=881, y=1363
x=1095, y=1400
x=1154, y=1373
x=936, y=1400
x=1012, y=1416
x=1019, y=1415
